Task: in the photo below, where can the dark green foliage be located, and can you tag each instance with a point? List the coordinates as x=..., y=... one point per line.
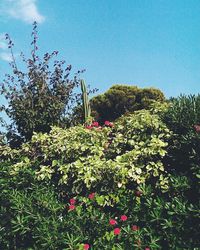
x=183, y=118
x=120, y=99
x=29, y=213
x=39, y=97
x=183, y=114
x=183, y=158
x=34, y=215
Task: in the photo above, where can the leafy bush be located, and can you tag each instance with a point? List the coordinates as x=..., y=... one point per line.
x=120, y=99
x=183, y=114
x=105, y=158
x=183, y=118
x=98, y=187
x=34, y=215
x=40, y=97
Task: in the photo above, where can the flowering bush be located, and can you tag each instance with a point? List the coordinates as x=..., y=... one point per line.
x=34, y=216
x=97, y=188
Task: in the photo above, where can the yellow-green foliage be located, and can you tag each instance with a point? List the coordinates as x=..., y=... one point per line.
x=81, y=158
x=145, y=137
x=7, y=153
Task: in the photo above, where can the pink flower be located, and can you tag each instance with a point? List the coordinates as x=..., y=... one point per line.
x=72, y=201
x=86, y=246
x=124, y=218
x=95, y=124
x=109, y=124
x=91, y=196
x=117, y=231
x=71, y=207
x=147, y=248
x=112, y=222
x=88, y=126
x=135, y=228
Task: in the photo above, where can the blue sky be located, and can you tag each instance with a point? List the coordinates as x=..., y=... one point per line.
x=148, y=43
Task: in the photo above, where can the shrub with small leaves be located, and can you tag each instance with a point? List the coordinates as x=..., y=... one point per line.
x=108, y=158
x=121, y=99
x=41, y=96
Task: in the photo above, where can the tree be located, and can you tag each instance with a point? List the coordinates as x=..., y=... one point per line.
x=121, y=99
x=40, y=97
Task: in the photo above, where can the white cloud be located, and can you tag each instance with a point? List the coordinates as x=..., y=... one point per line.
x=25, y=10
x=5, y=56
x=3, y=44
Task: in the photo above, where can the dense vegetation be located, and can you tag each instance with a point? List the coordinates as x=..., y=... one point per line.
x=121, y=99
x=128, y=180
x=112, y=187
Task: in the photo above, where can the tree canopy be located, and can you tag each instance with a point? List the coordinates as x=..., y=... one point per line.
x=121, y=99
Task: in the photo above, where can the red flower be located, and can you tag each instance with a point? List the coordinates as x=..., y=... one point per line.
x=117, y=231
x=72, y=201
x=95, y=124
x=124, y=218
x=88, y=126
x=91, y=196
x=71, y=207
x=147, y=248
x=86, y=246
x=109, y=124
x=138, y=193
x=112, y=222
x=135, y=228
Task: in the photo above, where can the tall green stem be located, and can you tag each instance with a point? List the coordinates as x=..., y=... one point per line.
x=86, y=103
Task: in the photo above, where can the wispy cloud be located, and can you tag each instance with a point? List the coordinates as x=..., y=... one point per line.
x=25, y=10
x=3, y=44
x=5, y=56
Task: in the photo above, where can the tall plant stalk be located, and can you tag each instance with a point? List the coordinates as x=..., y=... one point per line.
x=86, y=103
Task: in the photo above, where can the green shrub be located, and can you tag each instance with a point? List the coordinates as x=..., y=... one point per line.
x=106, y=158
x=183, y=118
x=183, y=114
x=38, y=97
x=60, y=190
x=34, y=215
x=120, y=99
